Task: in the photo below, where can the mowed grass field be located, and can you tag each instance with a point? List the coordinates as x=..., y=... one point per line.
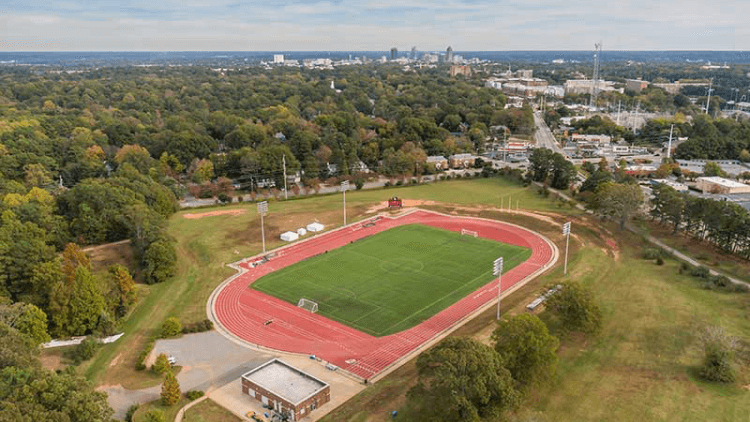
x=394, y=280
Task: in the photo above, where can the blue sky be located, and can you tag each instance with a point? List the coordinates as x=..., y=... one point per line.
x=468, y=25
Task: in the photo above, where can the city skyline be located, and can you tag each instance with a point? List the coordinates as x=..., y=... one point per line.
x=468, y=25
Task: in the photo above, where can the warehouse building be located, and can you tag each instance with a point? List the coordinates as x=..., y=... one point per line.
x=285, y=389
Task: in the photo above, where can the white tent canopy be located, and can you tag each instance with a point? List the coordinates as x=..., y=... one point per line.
x=315, y=227
x=289, y=236
x=301, y=231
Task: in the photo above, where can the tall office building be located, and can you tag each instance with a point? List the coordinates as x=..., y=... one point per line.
x=413, y=55
x=449, y=54
x=394, y=53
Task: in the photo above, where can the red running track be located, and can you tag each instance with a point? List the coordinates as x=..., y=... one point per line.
x=244, y=312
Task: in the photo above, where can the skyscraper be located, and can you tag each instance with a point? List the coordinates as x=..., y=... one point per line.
x=413, y=55
x=394, y=53
x=449, y=54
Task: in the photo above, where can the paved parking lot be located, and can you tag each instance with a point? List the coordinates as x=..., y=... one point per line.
x=212, y=363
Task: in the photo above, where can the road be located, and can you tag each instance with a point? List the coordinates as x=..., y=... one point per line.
x=544, y=137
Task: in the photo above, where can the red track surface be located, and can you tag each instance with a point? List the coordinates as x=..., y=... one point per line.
x=244, y=311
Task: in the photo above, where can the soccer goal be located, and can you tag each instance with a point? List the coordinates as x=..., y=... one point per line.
x=308, y=305
x=465, y=232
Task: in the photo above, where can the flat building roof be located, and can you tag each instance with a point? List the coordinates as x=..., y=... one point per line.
x=285, y=381
x=723, y=182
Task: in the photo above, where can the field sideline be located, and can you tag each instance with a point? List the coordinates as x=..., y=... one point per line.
x=394, y=280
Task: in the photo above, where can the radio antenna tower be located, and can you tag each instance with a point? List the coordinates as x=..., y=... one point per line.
x=595, y=89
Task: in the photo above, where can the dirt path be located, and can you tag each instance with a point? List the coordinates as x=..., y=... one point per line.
x=233, y=212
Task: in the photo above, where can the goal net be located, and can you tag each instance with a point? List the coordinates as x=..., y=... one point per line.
x=308, y=305
x=472, y=233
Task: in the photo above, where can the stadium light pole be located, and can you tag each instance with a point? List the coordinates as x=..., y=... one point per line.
x=262, y=210
x=497, y=269
x=566, y=233
x=344, y=187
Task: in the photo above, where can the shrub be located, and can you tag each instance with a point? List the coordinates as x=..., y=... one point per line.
x=684, y=268
x=198, y=327
x=131, y=411
x=83, y=351
x=651, y=253
x=387, y=183
x=399, y=182
x=139, y=364
x=659, y=261
x=718, y=360
x=194, y=394
x=171, y=327
x=359, y=183
x=700, y=272
x=413, y=181
x=240, y=198
x=442, y=177
x=154, y=415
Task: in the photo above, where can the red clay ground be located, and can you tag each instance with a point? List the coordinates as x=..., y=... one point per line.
x=245, y=313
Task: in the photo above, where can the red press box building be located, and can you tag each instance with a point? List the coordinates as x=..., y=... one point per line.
x=286, y=389
x=394, y=202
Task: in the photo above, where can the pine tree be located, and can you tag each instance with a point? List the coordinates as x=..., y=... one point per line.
x=170, y=390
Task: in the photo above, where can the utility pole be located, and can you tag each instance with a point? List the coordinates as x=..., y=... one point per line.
x=283, y=161
x=497, y=269
x=344, y=187
x=635, y=119
x=262, y=210
x=619, y=105
x=595, y=88
x=669, y=145
x=708, y=101
x=566, y=233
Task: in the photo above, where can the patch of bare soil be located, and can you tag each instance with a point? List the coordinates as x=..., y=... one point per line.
x=234, y=212
x=116, y=360
x=406, y=203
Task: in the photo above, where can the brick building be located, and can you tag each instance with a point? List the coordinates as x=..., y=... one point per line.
x=286, y=389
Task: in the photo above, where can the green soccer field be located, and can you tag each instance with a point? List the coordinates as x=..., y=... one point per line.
x=392, y=280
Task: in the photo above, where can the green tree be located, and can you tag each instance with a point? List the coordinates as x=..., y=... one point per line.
x=27, y=319
x=526, y=348
x=712, y=169
x=170, y=390
x=22, y=247
x=80, y=305
x=574, y=306
x=159, y=261
x=34, y=394
x=461, y=379
x=171, y=327
x=618, y=201
x=17, y=349
x=161, y=365
x=122, y=290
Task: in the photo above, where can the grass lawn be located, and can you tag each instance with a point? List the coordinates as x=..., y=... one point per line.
x=209, y=411
x=169, y=411
x=394, y=280
x=205, y=246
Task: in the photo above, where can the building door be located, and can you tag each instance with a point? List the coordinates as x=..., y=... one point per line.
x=278, y=406
x=264, y=399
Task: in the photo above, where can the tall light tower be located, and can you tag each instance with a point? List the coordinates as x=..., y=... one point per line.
x=344, y=188
x=263, y=210
x=595, y=88
x=566, y=233
x=497, y=269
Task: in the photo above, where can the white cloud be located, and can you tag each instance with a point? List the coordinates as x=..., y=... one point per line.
x=362, y=25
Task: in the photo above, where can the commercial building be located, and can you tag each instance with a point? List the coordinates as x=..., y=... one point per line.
x=594, y=139
x=635, y=85
x=731, y=167
x=461, y=160
x=285, y=389
x=438, y=162
x=720, y=185
x=586, y=86
x=461, y=70
x=278, y=59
